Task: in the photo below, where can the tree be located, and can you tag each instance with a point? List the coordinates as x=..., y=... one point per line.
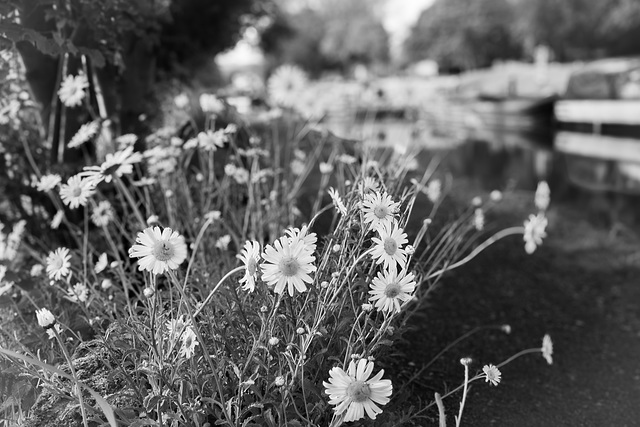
x=464, y=34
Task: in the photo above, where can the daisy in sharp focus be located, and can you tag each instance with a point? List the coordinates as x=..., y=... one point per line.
x=48, y=182
x=337, y=200
x=250, y=256
x=71, y=90
x=354, y=393
x=84, y=134
x=379, y=208
x=288, y=263
x=390, y=289
x=492, y=374
x=388, y=248
x=58, y=264
x=159, y=250
x=76, y=191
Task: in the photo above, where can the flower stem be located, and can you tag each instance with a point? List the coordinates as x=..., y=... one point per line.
x=464, y=394
x=75, y=377
x=213, y=291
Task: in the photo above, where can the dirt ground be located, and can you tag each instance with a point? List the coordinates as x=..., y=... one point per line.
x=582, y=286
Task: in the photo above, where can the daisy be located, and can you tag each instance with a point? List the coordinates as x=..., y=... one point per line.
x=102, y=214
x=534, y=232
x=126, y=140
x=211, y=104
x=45, y=318
x=297, y=167
x=159, y=250
x=250, y=256
x=325, y=168
x=492, y=374
x=303, y=234
x=547, y=349
x=119, y=163
x=390, y=289
x=76, y=191
x=388, y=248
x=288, y=263
x=181, y=101
x=58, y=264
x=84, y=134
x=175, y=327
x=48, y=182
x=79, y=292
x=543, y=196
x=353, y=392
x=478, y=219
x=434, y=190
x=285, y=85
x=189, y=343
x=379, y=209
x=368, y=184
x=337, y=200
x=102, y=263
x=223, y=242
x=347, y=159
x=57, y=220
x=71, y=90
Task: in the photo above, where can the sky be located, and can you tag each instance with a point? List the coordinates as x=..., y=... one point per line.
x=400, y=15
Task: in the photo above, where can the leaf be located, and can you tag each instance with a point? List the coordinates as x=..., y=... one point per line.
x=107, y=410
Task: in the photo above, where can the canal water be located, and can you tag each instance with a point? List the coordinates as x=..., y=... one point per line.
x=597, y=174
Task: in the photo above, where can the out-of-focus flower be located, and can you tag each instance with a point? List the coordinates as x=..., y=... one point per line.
x=492, y=374
x=388, y=248
x=212, y=215
x=71, y=90
x=79, y=292
x=390, y=289
x=9, y=245
x=223, y=242
x=434, y=190
x=153, y=220
x=495, y=195
x=58, y=264
x=148, y=292
x=288, y=264
x=115, y=164
x=126, y=140
x=354, y=393
x=337, y=201
x=368, y=184
x=102, y=214
x=101, y=264
x=211, y=104
x=547, y=349
x=476, y=201
x=279, y=381
x=84, y=134
x=285, y=85
x=76, y=191
x=48, y=182
x=208, y=141
x=379, y=209
x=159, y=250
x=250, y=256
x=106, y=284
x=534, y=232
x=45, y=318
x=274, y=341
x=189, y=343
x=543, y=196
x=36, y=270
x=347, y=159
x=297, y=167
x=325, y=168
x=181, y=101
x=478, y=219
x=57, y=220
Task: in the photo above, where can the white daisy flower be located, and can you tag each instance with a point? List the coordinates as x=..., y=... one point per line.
x=492, y=374
x=495, y=195
x=48, y=182
x=79, y=292
x=102, y=214
x=71, y=90
x=119, y=163
x=76, y=191
x=36, y=270
x=250, y=256
x=211, y=104
x=223, y=242
x=391, y=289
x=52, y=334
x=159, y=250
x=303, y=234
x=126, y=140
x=325, y=168
x=367, y=185
x=347, y=159
x=84, y=134
x=102, y=263
x=181, y=101
x=45, y=318
x=57, y=220
x=388, y=248
x=297, y=167
x=337, y=201
x=543, y=196
x=354, y=393
x=285, y=85
x=106, y=284
x=379, y=209
x=189, y=343
x=58, y=264
x=288, y=264
x=534, y=232
x=547, y=349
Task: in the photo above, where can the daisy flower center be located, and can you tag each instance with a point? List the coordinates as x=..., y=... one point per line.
x=163, y=250
x=289, y=266
x=76, y=192
x=57, y=263
x=252, y=266
x=392, y=290
x=358, y=391
x=381, y=211
x=390, y=246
